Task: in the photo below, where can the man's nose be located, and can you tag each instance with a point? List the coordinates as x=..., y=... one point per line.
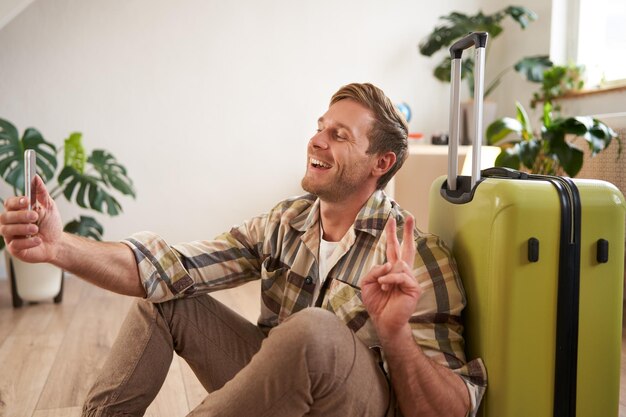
x=319, y=140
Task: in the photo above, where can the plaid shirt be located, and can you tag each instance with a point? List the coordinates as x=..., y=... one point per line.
x=281, y=249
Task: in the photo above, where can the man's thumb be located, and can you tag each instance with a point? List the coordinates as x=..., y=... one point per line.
x=40, y=191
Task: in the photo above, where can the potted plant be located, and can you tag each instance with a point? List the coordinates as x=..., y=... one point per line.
x=458, y=25
x=549, y=150
x=88, y=181
x=558, y=81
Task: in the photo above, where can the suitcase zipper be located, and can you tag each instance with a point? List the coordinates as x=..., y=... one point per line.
x=568, y=297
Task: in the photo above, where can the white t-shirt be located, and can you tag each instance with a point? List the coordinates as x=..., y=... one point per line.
x=324, y=261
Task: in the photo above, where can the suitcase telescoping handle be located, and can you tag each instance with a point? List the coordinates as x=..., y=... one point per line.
x=479, y=41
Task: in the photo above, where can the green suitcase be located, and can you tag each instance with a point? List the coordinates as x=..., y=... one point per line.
x=507, y=244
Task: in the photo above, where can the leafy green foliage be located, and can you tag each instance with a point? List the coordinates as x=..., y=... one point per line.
x=90, y=182
x=112, y=173
x=533, y=67
x=548, y=152
x=75, y=152
x=87, y=191
x=12, y=150
x=85, y=226
x=558, y=81
x=459, y=24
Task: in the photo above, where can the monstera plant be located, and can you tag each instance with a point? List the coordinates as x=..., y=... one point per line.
x=549, y=150
x=457, y=25
x=91, y=181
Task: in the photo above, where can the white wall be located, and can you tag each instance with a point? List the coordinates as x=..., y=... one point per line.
x=209, y=104
x=513, y=44
x=11, y=8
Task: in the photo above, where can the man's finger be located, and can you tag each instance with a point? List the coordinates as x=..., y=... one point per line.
x=399, y=278
x=393, y=246
x=39, y=187
x=15, y=203
x=17, y=217
x=17, y=245
x=18, y=230
x=407, y=249
x=376, y=272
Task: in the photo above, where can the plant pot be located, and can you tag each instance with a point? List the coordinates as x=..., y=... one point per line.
x=34, y=282
x=467, y=120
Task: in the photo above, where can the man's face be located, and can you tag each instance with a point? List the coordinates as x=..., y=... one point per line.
x=338, y=165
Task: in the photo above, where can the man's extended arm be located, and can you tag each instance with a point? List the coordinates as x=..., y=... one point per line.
x=390, y=294
x=37, y=236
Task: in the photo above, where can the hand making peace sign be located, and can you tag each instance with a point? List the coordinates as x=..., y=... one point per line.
x=390, y=291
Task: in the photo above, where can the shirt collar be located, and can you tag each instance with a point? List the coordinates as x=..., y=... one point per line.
x=307, y=218
x=371, y=218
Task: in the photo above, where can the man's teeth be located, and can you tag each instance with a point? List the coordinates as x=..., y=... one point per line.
x=318, y=163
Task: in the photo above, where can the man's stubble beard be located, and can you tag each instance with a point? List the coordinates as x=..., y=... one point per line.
x=337, y=189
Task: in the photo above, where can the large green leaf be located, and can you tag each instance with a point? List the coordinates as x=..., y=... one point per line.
x=521, y=15
x=87, y=191
x=533, y=67
x=501, y=128
x=85, y=226
x=112, y=172
x=522, y=116
x=547, y=114
x=597, y=134
x=441, y=37
x=570, y=158
x=509, y=157
x=7, y=128
x=12, y=154
x=600, y=136
x=575, y=125
x=528, y=152
x=552, y=139
x=75, y=155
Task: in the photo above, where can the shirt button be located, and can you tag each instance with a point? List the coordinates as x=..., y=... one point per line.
x=308, y=280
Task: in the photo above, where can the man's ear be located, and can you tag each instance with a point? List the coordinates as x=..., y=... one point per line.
x=384, y=162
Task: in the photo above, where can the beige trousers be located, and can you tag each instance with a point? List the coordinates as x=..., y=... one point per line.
x=310, y=365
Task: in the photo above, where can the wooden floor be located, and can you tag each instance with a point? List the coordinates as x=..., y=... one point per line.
x=50, y=354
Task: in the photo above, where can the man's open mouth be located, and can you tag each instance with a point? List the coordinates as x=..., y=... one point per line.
x=319, y=164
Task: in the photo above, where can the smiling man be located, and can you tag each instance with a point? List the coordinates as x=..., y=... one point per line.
x=360, y=311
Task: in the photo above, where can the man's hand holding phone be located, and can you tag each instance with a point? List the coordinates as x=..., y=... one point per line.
x=31, y=224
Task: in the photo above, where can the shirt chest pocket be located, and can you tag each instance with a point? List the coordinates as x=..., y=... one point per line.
x=283, y=291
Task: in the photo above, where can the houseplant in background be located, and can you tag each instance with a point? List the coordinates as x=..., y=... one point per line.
x=88, y=181
x=458, y=25
x=548, y=150
x=558, y=81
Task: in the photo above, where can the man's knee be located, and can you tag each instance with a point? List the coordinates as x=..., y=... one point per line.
x=316, y=331
x=314, y=322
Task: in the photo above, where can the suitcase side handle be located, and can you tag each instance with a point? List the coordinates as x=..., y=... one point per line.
x=479, y=41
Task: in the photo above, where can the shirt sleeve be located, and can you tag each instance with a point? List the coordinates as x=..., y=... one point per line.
x=436, y=323
x=187, y=269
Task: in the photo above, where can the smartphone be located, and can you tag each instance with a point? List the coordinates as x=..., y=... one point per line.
x=30, y=170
